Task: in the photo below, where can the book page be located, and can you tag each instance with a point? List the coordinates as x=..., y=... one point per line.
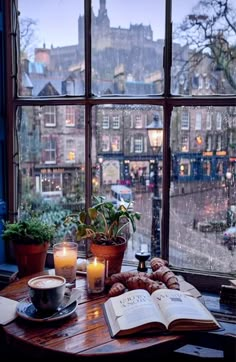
x=135, y=308
x=178, y=305
x=8, y=310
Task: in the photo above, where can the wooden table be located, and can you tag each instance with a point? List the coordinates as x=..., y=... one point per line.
x=82, y=335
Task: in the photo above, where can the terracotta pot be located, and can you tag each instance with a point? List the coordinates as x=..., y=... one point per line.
x=30, y=258
x=113, y=254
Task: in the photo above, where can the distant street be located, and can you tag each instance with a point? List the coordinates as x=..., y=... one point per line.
x=189, y=247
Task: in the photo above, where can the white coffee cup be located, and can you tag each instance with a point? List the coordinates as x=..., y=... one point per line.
x=47, y=291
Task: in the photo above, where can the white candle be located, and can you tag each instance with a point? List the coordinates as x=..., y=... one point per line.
x=65, y=260
x=95, y=274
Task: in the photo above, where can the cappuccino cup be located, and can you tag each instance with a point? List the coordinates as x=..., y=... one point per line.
x=47, y=292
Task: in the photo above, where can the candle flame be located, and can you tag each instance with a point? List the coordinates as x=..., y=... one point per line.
x=64, y=250
x=95, y=261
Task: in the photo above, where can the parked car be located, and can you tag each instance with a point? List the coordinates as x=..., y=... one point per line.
x=229, y=237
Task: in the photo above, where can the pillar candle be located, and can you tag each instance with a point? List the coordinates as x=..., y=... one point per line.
x=95, y=274
x=65, y=260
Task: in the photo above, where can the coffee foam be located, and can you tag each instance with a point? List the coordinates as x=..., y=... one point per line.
x=46, y=283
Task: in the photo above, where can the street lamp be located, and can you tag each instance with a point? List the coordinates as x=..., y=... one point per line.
x=100, y=161
x=228, y=178
x=155, y=135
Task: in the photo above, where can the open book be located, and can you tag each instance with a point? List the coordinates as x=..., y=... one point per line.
x=8, y=310
x=165, y=309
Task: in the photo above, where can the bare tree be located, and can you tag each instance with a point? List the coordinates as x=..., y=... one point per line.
x=210, y=32
x=27, y=36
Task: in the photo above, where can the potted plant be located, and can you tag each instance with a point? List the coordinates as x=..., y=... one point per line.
x=31, y=239
x=107, y=228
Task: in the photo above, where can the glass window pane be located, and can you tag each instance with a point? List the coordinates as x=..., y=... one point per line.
x=123, y=156
x=203, y=47
x=51, y=48
x=202, y=198
x=127, y=47
x=51, y=164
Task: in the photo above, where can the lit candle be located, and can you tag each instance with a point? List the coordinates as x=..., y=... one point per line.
x=65, y=260
x=95, y=274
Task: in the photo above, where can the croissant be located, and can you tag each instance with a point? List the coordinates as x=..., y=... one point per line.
x=142, y=282
x=161, y=277
x=116, y=289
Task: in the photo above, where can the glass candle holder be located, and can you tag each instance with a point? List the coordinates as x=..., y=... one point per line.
x=65, y=260
x=95, y=274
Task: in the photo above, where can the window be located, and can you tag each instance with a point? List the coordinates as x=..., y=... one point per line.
x=49, y=115
x=105, y=122
x=70, y=116
x=184, y=143
x=105, y=143
x=218, y=142
x=209, y=121
x=116, y=122
x=70, y=150
x=115, y=143
x=184, y=169
x=201, y=82
x=138, y=144
x=206, y=168
x=208, y=143
x=49, y=152
x=198, y=124
x=218, y=121
x=138, y=122
x=51, y=183
x=220, y=168
x=185, y=120
x=119, y=79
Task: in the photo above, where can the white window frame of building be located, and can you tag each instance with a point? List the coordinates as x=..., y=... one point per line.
x=208, y=142
x=105, y=143
x=70, y=116
x=50, y=150
x=185, y=119
x=116, y=122
x=207, y=83
x=218, y=142
x=131, y=121
x=209, y=120
x=184, y=143
x=115, y=143
x=138, y=121
x=138, y=144
x=218, y=121
x=200, y=82
x=49, y=114
x=131, y=144
x=70, y=151
x=198, y=123
x=105, y=122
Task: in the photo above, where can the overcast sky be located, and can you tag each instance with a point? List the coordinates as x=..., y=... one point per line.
x=57, y=19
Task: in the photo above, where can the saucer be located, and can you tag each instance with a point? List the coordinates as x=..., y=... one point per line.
x=26, y=310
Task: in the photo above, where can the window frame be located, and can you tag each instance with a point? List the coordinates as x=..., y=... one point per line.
x=49, y=111
x=166, y=100
x=50, y=150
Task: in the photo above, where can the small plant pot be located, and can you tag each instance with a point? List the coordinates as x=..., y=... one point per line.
x=30, y=258
x=113, y=254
